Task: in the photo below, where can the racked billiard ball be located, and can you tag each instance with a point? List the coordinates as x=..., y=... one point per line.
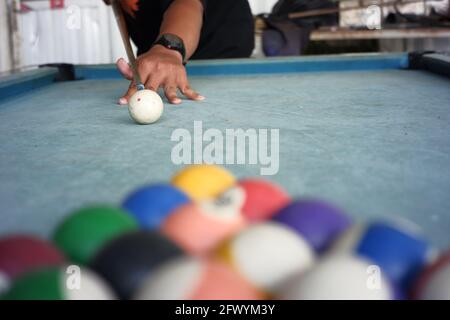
x=125, y=261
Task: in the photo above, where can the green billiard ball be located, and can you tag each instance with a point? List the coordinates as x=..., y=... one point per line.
x=59, y=283
x=85, y=231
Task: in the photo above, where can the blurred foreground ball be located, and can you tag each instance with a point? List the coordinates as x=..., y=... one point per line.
x=200, y=226
x=203, y=181
x=266, y=254
x=151, y=204
x=60, y=283
x=125, y=261
x=339, y=277
x=189, y=278
x=434, y=281
x=85, y=231
x=24, y=253
x=398, y=248
x=262, y=199
x=316, y=221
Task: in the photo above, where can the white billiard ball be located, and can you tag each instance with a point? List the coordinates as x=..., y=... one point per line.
x=339, y=277
x=145, y=106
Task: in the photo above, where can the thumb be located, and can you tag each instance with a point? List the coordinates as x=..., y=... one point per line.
x=124, y=68
x=126, y=98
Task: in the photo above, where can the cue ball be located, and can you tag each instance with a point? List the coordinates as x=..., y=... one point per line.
x=145, y=106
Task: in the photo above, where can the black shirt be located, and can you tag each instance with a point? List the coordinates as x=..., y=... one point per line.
x=227, y=31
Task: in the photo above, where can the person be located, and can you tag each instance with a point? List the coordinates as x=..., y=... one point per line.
x=168, y=33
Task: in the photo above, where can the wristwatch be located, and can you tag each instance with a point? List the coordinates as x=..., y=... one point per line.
x=172, y=42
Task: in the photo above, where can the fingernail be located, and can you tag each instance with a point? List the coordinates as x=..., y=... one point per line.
x=176, y=101
x=201, y=98
x=123, y=101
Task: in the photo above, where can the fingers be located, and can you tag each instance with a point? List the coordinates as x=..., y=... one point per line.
x=170, y=89
x=171, y=94
x=191, y=94
x=131, y=90
x=154, y=82
x=124, y=68
x=187, y=91
x=169, y=76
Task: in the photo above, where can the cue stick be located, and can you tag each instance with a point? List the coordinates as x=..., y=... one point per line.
x=320, y=12
x=120, y=19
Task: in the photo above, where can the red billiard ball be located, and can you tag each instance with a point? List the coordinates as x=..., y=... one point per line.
x=20, y=254
x=262, y=199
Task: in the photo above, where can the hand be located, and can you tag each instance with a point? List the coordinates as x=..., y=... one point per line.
x=159, y=67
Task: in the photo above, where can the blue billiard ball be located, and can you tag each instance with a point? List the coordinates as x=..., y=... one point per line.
x=397, y=247
x=151, y=204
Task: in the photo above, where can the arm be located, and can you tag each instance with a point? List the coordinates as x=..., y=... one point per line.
x=184, y=18
x=162, y=67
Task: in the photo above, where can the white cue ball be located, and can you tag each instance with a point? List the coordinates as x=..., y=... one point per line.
x=145, y=106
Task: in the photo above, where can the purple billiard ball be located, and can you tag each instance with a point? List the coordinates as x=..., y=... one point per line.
x=318, y=222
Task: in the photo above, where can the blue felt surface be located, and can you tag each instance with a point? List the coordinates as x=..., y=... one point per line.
x=375, y=143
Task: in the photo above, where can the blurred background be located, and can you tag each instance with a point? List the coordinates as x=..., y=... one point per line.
x=34, y=32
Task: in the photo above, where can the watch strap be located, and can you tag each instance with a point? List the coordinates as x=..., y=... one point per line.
x=172, y=42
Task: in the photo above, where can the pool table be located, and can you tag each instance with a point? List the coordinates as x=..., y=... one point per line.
x=370, y=133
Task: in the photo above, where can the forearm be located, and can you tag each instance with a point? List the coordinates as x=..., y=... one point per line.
x=184, y=18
